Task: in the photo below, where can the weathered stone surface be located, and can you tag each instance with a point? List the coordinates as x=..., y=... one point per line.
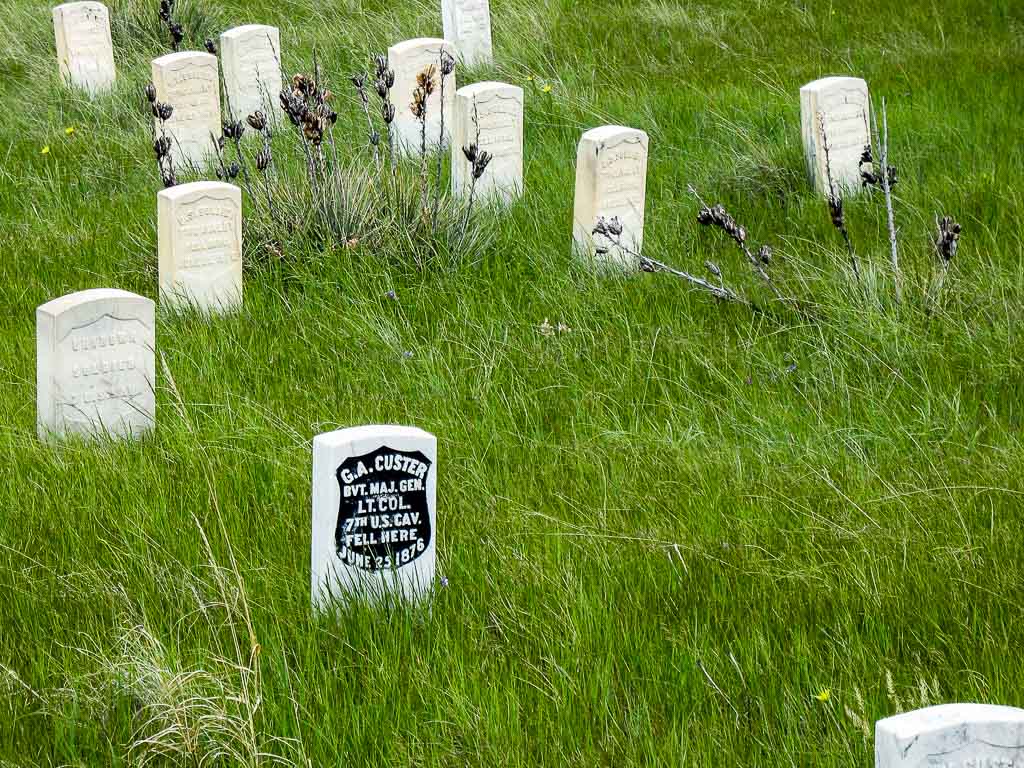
x=834, y=114
x=189, y=82
x=408, y=59
x=95, y=365
x=611, y=181
x=200, y=243
x=952, y=736
x=490, y=115
x=250, y=56
x=374, y=514
x=85, y=52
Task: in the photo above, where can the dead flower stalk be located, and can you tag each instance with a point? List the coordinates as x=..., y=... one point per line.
x=612, y=229
x=717, y=216
x=835, y=202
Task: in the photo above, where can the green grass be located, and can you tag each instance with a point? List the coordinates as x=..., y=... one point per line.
x=621, y=506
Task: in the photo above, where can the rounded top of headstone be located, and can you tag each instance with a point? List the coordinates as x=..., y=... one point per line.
x=83, y=5
x=219, y=189
x=170, y=59
x=610, y=132
x=490, y=86
x=245, y=29
x=420, y=43
x=382, y=432
x=832, y=81
x=62, y=304
x=944, y=716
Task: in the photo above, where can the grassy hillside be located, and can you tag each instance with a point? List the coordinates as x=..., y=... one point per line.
x=674, y=533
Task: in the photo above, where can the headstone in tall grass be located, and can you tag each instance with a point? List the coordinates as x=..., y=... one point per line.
x=416, y=61
x=85, y=53
x=188, y=81
x=952, y=736
x=611, y=182
x=95, y=365
x=834, y=114
x=467, y=25
x=250, y=57
x=200, y=245
x=374, y=514
x=489, y=115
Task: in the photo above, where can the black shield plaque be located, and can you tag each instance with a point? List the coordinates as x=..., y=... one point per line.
x=383, y=518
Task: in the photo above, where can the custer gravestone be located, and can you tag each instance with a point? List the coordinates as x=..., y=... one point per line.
x=408, y=59
x=374, y=514
x=95, y=365
x=491, y=116
x=250, y=56
x=952, y=736
x=85, y=53
x=467, y=25
x=834, y=114
x=190, y=83
x=200, y=245
x=611, y=181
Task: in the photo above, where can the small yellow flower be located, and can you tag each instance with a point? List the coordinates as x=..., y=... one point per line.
x=69, y=130
x=45, y=150
x=824, y=695
x=547, y=88
x=530, y=78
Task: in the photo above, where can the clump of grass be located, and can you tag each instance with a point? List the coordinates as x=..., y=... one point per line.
x=349, y=201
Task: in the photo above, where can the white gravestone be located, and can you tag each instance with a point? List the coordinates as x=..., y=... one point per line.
x=200, y=245
x=467, y=24
x=611, y=181
x=251, y=58
x=952, y=736
x=85, y=52
x=189, y=82
x=95, y=365
x=835, y=111
x=491, y=116
x=408, y=59
x=374, y=514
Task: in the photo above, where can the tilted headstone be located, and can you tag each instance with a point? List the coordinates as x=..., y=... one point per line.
x=200, y=245
x=952, y=736
x=834, y=114
x=251, y=58
x=467, y=25
x=374, y=514
x=85, y=52
x=408, y=59
x=95, y=365
x=489, y=115
x=611, y=181
x=190, y=83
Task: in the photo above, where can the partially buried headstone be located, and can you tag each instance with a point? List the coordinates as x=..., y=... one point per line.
x=251, y=58
x=952, y=736
x=200, y=245
x=467, y=24
x=189, y=82
x=95, y=365
x=489, y=115
x=834, y=113
x=409, y=59
x=85, y=52
x=374, y=514
x=611, y=182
